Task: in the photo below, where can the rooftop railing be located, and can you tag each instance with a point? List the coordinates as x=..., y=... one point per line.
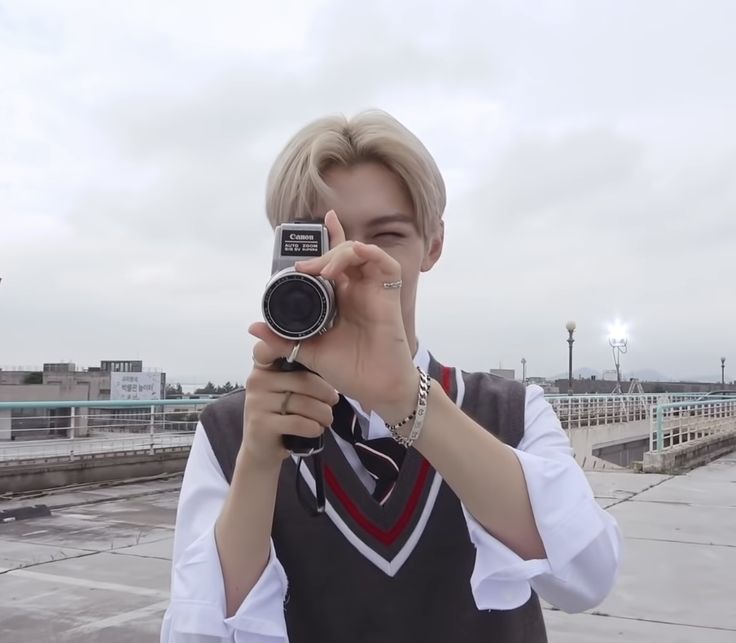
x=56, y=430
x=53, y=430
x=578, y=411
x=678, y=423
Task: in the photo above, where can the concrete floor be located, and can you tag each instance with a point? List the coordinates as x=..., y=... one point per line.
x=98, y=568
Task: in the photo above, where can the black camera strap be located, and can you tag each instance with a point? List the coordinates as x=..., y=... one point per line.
x=303, y=448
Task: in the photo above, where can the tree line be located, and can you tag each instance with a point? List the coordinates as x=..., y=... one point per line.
x=175, y=390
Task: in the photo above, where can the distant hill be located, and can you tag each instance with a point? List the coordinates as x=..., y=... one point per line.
x=648, y=375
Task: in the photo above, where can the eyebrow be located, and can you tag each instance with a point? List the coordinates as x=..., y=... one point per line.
x=398, y=217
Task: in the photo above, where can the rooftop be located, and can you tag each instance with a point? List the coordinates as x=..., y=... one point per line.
x=97, y=568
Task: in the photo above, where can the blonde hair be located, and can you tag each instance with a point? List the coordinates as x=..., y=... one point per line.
x=296, y=183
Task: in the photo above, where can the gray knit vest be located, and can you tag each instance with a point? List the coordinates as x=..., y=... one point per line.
x=397, y=573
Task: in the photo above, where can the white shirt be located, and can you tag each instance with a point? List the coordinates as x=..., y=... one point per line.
x=582, y=541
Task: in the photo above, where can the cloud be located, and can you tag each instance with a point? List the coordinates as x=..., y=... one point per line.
x=588, y=155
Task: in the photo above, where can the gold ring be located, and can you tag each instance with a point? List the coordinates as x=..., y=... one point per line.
x=285, y=403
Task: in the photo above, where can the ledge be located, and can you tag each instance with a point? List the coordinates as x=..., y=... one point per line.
x=690, y=454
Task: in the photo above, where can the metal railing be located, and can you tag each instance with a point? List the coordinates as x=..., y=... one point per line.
x=53, y=430
x=578, y=411
x=33, y=431
x=675, y=424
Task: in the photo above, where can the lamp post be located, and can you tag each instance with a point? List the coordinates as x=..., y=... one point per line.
x=570, y=330
x=723, y=371
x=523, y=371
x=619, y=342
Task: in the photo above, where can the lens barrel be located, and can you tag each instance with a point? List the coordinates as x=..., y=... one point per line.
x=298, y=306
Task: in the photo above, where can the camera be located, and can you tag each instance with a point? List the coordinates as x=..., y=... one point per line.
x=298, y=306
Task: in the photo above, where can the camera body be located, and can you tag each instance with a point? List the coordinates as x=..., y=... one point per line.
x=297, y=306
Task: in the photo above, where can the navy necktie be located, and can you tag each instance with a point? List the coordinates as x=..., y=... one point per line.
x=382, y=457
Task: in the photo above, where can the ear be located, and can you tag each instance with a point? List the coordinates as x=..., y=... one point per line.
x=434, y=251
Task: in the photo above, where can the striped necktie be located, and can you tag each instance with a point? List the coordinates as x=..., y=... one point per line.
x=382, y=457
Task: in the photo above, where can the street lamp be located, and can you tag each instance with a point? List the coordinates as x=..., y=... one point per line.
x=618, y=339
x=723, y=371
x=523, y=370
x=570, y=330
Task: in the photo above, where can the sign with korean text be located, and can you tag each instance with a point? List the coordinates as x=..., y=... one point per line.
x=135, y=386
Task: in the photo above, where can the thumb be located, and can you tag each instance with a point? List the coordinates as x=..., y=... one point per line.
x=271, y=346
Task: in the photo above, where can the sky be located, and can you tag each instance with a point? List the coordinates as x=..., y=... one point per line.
x=589, y=152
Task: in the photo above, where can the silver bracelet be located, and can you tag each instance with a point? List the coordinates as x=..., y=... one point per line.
x=417, y=415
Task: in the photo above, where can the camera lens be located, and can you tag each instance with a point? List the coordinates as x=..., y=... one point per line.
x=296, y=305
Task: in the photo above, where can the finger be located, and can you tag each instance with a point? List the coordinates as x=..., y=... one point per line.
x=337, y=238
x=298, y=425
x=282, y=347
x=299, y=382
x=334, y=229
x=372, y=262
x=303, y=405
x=340, y=260
x=263, y=355
x=271, y=346
x=315, y=266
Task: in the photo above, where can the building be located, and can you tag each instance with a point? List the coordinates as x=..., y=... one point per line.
x=506, y=373
x=548, y=386
x=62, y=381
x=583, y=386
x=124, y=366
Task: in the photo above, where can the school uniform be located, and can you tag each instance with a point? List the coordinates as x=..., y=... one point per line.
x=397, y=561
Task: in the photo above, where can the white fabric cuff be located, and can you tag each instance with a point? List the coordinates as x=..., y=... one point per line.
x=202, y=609
x=500, y=578
x=262, y=611
x=568, y=520
x=565, y=511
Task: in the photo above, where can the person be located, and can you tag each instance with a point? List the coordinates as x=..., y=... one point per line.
x=453, y=501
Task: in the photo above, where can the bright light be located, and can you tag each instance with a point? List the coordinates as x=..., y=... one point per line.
x=618, y=334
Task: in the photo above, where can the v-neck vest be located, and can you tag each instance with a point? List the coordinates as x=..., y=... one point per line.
x=393, y=573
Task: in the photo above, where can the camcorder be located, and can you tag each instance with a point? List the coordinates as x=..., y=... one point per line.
x=297, y=306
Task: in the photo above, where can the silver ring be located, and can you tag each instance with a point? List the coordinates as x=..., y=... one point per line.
x=294, y=352
x=284, y=404
x=392, y=284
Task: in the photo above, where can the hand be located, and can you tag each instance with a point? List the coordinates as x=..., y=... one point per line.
x=365, y=355
x=309, y=407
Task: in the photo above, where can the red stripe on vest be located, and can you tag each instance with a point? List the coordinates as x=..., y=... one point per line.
x=446, y=374
x=387, y=537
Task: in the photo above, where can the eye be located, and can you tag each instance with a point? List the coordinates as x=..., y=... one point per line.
x=389, y=235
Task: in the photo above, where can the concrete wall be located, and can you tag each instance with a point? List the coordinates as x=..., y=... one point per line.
x=5, y=425
x=38, y=393
x=690, y=454
x=91, y=386
x=586, y=440
x=31, y=477
x=13, y=377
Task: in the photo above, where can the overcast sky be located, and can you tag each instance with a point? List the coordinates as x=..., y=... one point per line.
x=589, y=150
